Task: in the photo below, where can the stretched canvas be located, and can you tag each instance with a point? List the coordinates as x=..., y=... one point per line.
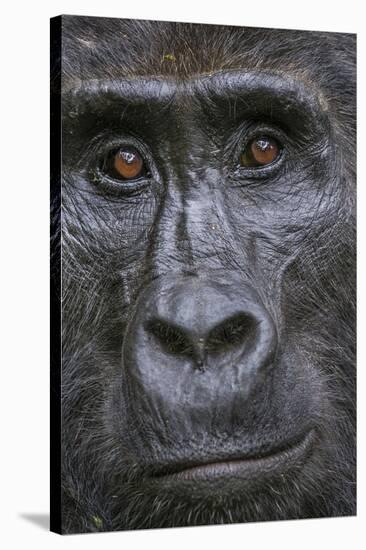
x=202, y=274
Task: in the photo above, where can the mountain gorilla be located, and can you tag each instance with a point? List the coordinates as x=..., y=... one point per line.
x=208, y=281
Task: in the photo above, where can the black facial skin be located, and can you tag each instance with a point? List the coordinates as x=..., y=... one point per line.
x=208, y=307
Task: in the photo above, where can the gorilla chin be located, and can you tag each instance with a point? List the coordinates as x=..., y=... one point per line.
x=213, y=491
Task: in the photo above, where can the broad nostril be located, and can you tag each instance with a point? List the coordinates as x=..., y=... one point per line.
x=172, y=338
x=231, y=333
x=191, y=326
x=228, y=335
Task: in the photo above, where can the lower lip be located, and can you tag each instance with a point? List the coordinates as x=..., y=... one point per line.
x=249, y=468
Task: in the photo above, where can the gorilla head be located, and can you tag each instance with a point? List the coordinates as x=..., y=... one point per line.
x=207, y=274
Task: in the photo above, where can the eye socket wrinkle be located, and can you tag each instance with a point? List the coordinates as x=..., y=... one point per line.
x=263, y=96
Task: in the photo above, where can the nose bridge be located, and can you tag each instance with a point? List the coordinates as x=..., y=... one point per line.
x=185, y=231
x=185, y=234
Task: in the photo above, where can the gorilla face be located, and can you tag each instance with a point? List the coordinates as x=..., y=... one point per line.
x=207, y=274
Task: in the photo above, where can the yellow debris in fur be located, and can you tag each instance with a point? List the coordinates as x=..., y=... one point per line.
x=98, y=522
x=169, y=57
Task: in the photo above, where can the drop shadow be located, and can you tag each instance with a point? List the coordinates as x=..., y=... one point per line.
x=41, y=520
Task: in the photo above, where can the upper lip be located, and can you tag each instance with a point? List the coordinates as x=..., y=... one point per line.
x=277, y=459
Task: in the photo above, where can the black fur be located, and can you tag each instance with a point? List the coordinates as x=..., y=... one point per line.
x=291, y=238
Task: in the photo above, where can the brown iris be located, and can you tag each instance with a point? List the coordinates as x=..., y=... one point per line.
x=260, y=152
x=128, y=163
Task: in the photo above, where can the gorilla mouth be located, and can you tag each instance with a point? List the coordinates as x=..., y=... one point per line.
x=275, y=461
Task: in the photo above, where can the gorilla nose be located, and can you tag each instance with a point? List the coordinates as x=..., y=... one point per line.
x=217, y=336
x=204, y=324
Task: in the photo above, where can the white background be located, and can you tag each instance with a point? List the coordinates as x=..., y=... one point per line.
x=24, y=302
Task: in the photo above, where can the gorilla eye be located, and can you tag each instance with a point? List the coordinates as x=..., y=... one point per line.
x=126, y=164
x=260, y=152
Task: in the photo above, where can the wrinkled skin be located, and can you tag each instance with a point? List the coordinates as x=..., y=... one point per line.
x=208, y=307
